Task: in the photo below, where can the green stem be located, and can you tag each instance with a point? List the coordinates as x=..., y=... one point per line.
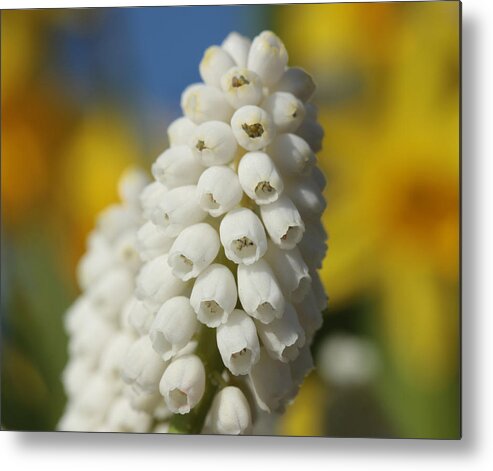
x=193, y=422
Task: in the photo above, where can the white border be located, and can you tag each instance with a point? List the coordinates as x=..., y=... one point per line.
x=55, y=452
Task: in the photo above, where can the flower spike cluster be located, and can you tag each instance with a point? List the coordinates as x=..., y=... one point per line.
x=230, y=242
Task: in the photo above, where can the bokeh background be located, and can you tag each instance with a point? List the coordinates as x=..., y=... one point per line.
x=88, y=92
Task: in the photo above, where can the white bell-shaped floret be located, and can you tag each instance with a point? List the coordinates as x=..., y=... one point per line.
x=268, y=57
x=213, y=143
x=290, y=270
x=112, y=357
x=123, y=418
x=179, y=210
x=253, y=127
x=218, y=190
x=259, y=291
x=94, y=263
x=176, y=167
x=319, y=290
x=152, y=241
x=230, y=413
x=174, y=326
x=237, y=46
x=150, y=198
x=286, y=110
x=319, y=178
x=76, y=374
x=309, y=314
x=215, y=62
x=243, y=236
x=110, y=293
x=307, y=197
x=297, y=81
x=193, y=251
x=313, y=248
x=300, y=368
x=238, y=343
x=179, y=131
x=214, y=295
x=131, y=184
x=283, y=337
x=183, y=384
x=126, y=252
x=311, y=131
x=142, y=401
x=115, y=220
x=156, y=282
x=142, y=366
x=259, y=177
x=292, y=155
x=241, y=87
x=138, y=315
x=270, y=380
x=201, y=103
x=283, y=222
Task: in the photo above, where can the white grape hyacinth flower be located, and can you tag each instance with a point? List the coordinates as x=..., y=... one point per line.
x=200, y=292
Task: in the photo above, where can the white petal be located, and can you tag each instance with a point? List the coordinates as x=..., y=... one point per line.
x=152, y=195
x=139, y=315
x=238, y=343
x=179, y=131
x=259, y=291
x=194, y=249
x=292, y=155
x=214, y=295
x=298, y=82
x=309, y=315
x=218, y=190
x=214, y=64
x=131, y=184
x=213, y=143
x=268, y=57
x=241, y=87
x=230, y=413
x=152, y=241
x=283, y=337
x=286, y=110
x=307, y=197
x=237, y=46
x=311, y=131
x=283, y=222
x=243, y=236
x=259, y=177
x=183, y=384
x=179, y=210
x=176, y=167
x=173, y=327
x=253, y=127
x=201, y=103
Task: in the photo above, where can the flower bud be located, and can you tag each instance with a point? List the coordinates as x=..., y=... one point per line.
x=156, y=282
x=179, y=131
x=268, y=57
x=178, y=211
x=193, y=250
x=259, y=177
x=110, y=293
x=173, y=327
x=238, y=343
x=318, y=290
x=283, y=222
x=213, y=143
x=176, y=167
x=76, y=374
x=298, y=82
x=94, y=263
x=241, y=87
x=237, y=46
x=152, y=195
x=126, y=252
x=218, y=190
x=142, y=366
x=116, y=219
x=201, y=103
x=139, y=315
x=286, y=110
x=300, y=368
x=183, y=384
x=123, y=418
x=131, y=184
x=152, y=241
x=214, y=64
x=290, y=270
x=319, y=178
x=214, y=295
x=307, y=197
x=243, y=236
x=270, y=380
x=142, y=401
x=292, y=155
x=259, y=291
x=112, y=357
x=230, y=413
x=283, y=337
x=309, y=314
x=253, y=127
